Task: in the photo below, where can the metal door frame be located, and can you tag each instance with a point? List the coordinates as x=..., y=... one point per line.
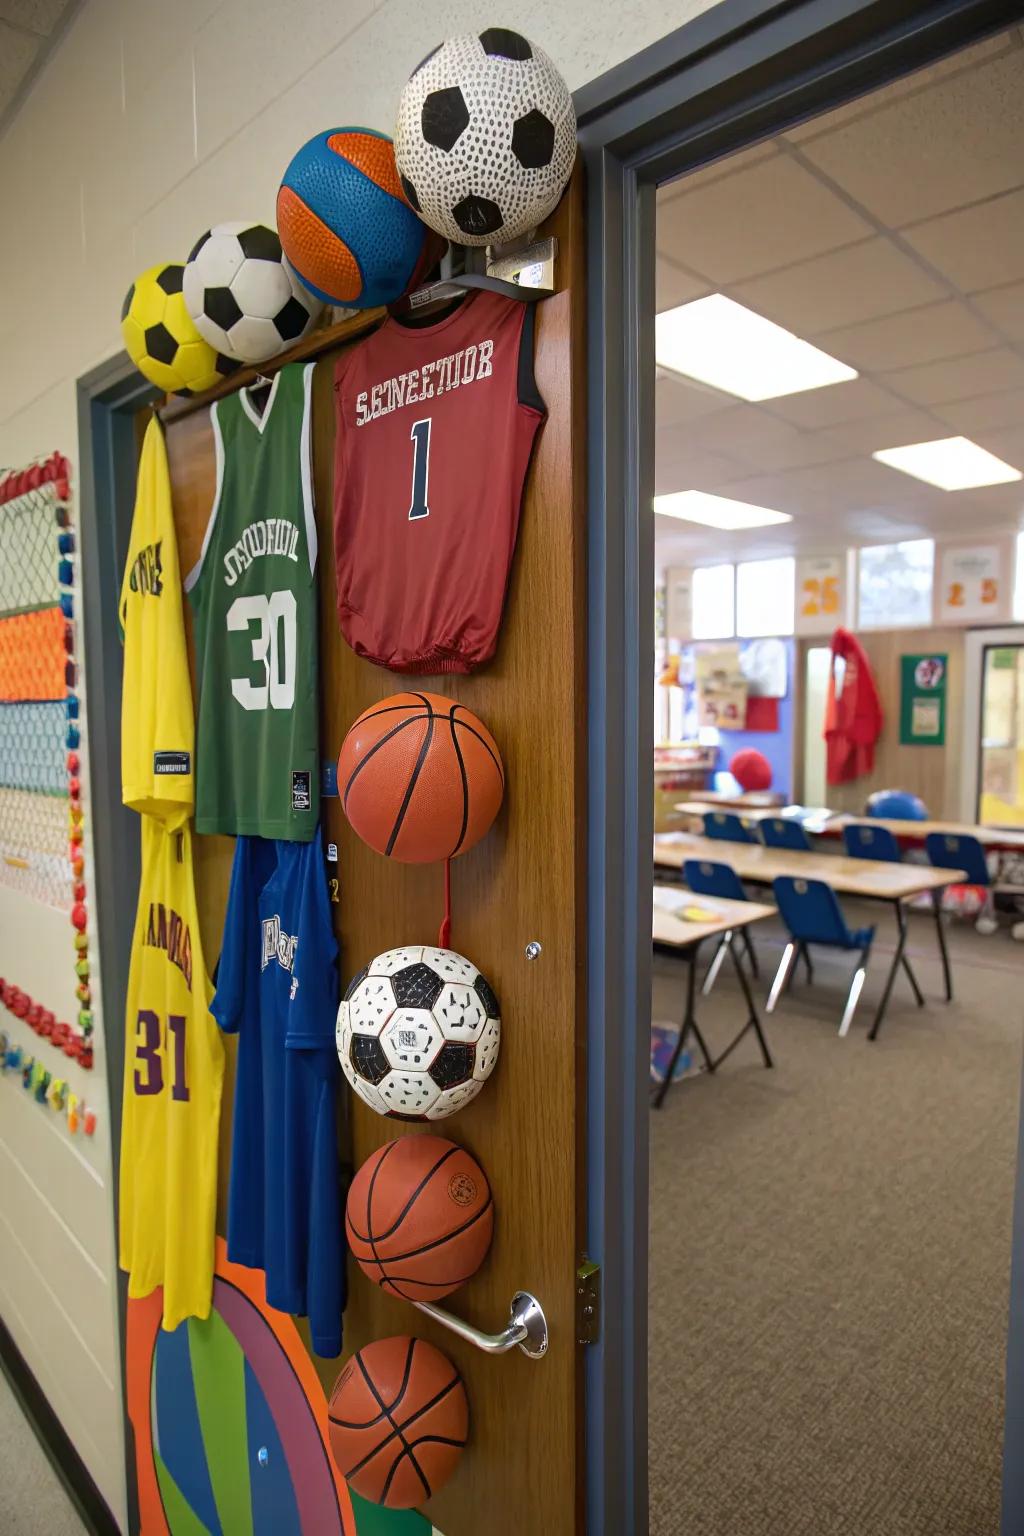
x=745, y=70
x=976, y=643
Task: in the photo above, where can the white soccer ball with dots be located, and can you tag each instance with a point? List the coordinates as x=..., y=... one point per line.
x=486, y=137
x=418, y=1033
x=243, y=297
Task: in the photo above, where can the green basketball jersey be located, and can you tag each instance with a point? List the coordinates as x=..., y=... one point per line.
x=253, y=592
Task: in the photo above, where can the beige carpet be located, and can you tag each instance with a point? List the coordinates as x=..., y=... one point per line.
x=830, y=1247
x=32, y=1498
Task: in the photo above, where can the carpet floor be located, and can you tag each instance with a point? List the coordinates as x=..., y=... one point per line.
x=830, y=1250
x=32, y=1498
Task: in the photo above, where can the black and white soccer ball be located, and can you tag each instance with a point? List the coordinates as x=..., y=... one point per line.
x=486, y=137
x=418, y=1033
x=243, y=297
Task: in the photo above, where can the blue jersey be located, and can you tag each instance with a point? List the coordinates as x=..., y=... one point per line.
x=277, y=989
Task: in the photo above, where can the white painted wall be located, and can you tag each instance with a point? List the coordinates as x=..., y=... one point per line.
x=154, y=119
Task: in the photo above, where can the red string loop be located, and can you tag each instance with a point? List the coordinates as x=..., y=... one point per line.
x=445, y=931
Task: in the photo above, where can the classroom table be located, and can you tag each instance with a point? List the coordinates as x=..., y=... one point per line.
x=767, y=801
x=831, y=823
x=684, y=936
x=871, y=879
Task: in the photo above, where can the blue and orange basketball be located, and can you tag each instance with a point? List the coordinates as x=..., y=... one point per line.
x=344, y=223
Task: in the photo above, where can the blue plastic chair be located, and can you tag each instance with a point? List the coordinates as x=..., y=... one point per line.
x=706, y=878
x=727, y=826
x=784, y=832
x=863, y=841
x=810, y=910
x=955, y=850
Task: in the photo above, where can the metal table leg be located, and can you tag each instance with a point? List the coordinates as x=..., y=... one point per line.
x=753, y=1022
x=899, y=959
x=947, y=974
x=689, y=1026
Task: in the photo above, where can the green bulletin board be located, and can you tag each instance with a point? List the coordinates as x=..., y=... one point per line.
x=923, y=701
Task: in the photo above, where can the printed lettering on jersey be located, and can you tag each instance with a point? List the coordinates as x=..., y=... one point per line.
x=168, y=931
x=277, y=945
x=264, y=536
x=467, y=366
x=148, y=571
x=174, y=763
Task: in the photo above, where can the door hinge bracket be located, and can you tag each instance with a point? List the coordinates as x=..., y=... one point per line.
x=588, y=1302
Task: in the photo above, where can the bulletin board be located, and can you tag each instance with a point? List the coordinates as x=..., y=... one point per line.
x=522, y=884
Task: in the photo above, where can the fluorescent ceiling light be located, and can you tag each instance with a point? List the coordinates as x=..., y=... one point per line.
x=716, y=511
x=951, y=463
x=724, y=344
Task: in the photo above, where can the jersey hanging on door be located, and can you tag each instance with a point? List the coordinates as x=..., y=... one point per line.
x=277, y=989
x=435, y=426
x=254, y=595
x=173, y=1069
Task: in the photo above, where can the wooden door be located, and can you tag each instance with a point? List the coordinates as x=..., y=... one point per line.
x=524, y=883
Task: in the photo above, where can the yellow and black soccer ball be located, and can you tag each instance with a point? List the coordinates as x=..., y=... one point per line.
x=161, y=339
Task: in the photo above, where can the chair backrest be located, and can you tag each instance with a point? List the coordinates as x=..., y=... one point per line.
x=810, y=910
x=727, y=826
x=863, y=841
x=956, y=850
x=784, y=832
x=708, y=879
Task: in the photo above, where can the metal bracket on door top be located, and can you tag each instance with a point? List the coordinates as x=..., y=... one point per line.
x=527, y=1327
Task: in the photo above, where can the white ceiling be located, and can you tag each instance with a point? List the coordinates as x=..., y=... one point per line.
x=29, y=29
x=891, y=234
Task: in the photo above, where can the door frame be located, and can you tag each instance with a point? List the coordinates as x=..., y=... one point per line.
x=743, y=71
x=976, y=643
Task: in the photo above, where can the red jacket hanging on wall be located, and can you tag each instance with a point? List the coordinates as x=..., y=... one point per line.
x=853, y=713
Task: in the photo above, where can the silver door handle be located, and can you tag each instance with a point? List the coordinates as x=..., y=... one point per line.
x=527, y=1327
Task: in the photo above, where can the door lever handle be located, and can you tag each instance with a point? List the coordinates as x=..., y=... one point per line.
x=527, y=1327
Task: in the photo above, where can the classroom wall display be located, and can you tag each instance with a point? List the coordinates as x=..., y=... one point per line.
x=721, y=687
x=975, y=582
x=820, y=594
x=679, y=602
x=41, y=817
x=923, y=701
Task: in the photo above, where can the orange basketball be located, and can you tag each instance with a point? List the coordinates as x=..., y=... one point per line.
x=398, y=1421
x=420, y=1217
x=420, y=777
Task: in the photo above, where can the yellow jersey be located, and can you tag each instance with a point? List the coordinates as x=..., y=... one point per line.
x=173, y=1070
x=157, y=717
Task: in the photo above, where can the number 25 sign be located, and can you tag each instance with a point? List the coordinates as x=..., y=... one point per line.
x=819, y=594
x=971, y=583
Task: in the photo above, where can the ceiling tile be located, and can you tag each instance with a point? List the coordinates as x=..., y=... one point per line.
x=917, y=336
x=925, y=154
x=1007, y=443
x=727, y=166
x=959, y=378
x=679, y=465
x=979, y=247
x=888, y=431
x=1005, y=308
x=674, y=286
x=17, y=54
x=920, y=80
x=766, y=216
x=986, y=413
x=677, y=400
x=40, y=16
x=838, y=403
x=859, y=283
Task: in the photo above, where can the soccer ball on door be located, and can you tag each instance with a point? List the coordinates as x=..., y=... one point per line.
x=486, y=137
x=242, y=294
x=161, y=339
x=418, y=1033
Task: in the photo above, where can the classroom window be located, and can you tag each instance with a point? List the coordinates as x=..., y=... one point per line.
x=765, y=596
x=714, y=602
x=895, y=584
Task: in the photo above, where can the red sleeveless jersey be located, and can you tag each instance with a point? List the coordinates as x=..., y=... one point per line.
x=435, y=426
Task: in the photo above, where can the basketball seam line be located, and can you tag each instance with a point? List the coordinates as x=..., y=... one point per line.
x=393, y=709
x=413, y=1253
x=465, y=725
x=369, y=1194
x=357, y=770
x=465, y=783
x=379, y=1237
x=428, y=737
x=393, y=1285
x=397, y=1430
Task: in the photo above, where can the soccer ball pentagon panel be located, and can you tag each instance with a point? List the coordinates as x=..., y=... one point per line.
x=486, y=137
x=418, y=1033
x=242, y=294
x=160, y=338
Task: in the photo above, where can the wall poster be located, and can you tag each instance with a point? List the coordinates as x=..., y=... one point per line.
x=820, y=594
x=975, y=583
x=923, y=701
